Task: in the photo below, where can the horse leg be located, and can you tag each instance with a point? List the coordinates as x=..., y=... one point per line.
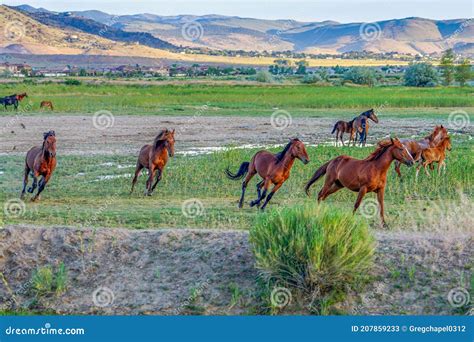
x=270, y=195
x=25, y=181
x=332, y=189
x=259, y=192
x=158, y=178
x=138, y=169
x=35, y=182
x=380, y=196
x=263, y=194
x=41, y=186
x=337, y=137
x=149, y=181
x=425, y=164
x=342, y=138
x=360, y=196
x=246, y=181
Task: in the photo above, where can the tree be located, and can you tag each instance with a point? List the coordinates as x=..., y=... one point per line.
x=463, y=72
x=447, y=67
x=301, y=69
x=421, y=75
x=360, y=75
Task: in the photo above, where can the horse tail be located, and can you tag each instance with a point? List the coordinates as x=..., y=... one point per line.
x=243, y=169
x=335, y=127
x=318, y=174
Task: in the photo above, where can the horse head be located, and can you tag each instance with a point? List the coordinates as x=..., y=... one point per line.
x=166, y=137
x=401, y=153
x=49, y=144
x=298, y=150
x=372, y=116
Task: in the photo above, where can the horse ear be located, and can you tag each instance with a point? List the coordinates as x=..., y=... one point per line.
x=45, y=135
x=172, y=132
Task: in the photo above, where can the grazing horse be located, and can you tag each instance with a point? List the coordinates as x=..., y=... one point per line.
x=273, y=168
x=154, y=158
x=360, y=125
x=40, y=161
x=435, y=155
x=354, y=127
x=13, y=100
x=46, y=104
x=363, y=176
x=416, y=147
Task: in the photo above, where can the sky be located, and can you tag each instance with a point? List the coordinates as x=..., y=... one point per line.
x=303, y=10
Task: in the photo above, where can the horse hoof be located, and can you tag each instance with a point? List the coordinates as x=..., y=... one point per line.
x=30, y=190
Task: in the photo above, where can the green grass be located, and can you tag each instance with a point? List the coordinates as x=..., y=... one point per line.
x=76, y=194
x=232, y=100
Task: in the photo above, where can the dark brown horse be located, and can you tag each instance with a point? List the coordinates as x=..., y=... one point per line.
x=363, y=176
x=358, y=125
x=40, y=161
x=46, y=104
x=154, y=158
x=273, y=168
x=416, y=147
x=13, y=100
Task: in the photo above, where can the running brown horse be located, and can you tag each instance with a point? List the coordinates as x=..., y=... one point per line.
x=435, y=155
x=362, y=176
x=40, y=161
x=154, y=158
x=416, y=147
x=273, y=168
x=354, y=127
x=46, y=104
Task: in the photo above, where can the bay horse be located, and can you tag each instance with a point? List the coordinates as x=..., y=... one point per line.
x=360, y=126
x=40, y=161
x=435, y=155
x=362, y=176
x=354, y=126
x=46, y=104
x=154, y=158
x=13, y=100
x=416, y=147
x=272, y=168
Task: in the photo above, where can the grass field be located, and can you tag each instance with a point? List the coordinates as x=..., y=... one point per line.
x=251, y=100
x=95, y=191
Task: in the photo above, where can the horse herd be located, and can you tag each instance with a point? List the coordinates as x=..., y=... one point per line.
x=15, y=99
x=359, y=175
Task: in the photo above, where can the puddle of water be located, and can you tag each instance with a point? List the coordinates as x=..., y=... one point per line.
x=108, y=177
x=80, y=174
x=125, y=166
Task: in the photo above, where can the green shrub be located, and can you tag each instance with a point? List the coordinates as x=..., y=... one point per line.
x=72, y=82
x=311, y=78
x=264, y=77
x=362, y=75
x=421, y=75
x=318, y=254
x=45, y=280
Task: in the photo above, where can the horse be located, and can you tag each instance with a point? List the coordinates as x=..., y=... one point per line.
x=154, y=158
x=416, y=147
x=46, y=104
x=354, y=126
x=13, y=100
x=435, y=155
x=361, y=125
x=40, y=161
x=362, y=176
x=272, y=168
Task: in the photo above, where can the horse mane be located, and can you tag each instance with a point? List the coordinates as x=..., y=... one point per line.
x=279, y=156
x=366, y=113
x=382, y=147
x=159, y=140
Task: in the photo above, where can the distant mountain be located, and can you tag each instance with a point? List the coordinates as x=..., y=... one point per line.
x=408, y=36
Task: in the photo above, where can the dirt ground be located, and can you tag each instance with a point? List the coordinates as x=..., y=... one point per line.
x=77, y=134
x=182, y=271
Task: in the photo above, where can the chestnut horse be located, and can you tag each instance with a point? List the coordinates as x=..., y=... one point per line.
x=416, y=147
x=435, y=155
x=40, y=161
x=46, y=104
x=363, y=176
x=273, y=168
x=154, y=158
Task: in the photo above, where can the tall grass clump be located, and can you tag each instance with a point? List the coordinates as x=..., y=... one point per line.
x=46, y=280
x=314, y=253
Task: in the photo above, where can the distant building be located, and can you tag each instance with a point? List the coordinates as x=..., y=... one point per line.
x=19, y=69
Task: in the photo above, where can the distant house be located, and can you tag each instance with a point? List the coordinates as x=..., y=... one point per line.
x=19, y=70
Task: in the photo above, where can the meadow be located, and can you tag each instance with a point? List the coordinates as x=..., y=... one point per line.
x=245, y=100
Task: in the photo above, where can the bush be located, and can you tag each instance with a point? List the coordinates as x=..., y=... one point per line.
x=73, y=82
x=316, y=253
x=264, y=76
x=421, y=75
x=311, y=78
x=361, y=75
x=46, y=281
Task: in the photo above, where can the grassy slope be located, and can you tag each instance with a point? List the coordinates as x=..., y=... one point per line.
x=238, y=100
x=76, y=195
